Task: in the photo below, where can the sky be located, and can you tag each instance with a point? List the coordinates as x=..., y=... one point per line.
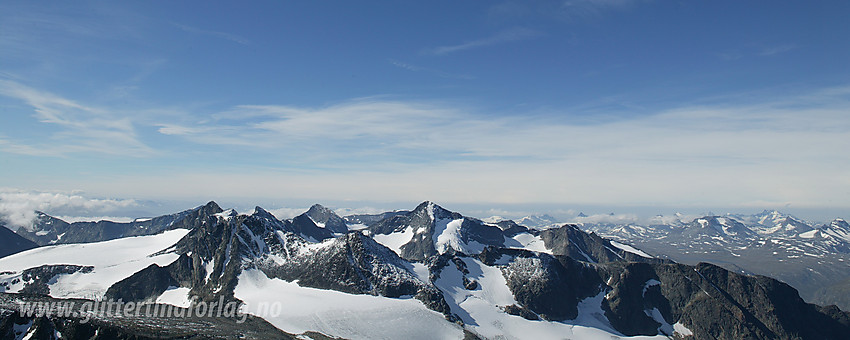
x=491, y=107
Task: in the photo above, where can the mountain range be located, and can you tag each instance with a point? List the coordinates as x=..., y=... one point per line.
x=422, y=274
x=813, y=258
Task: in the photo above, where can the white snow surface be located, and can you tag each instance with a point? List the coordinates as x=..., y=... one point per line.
x=447, y=235
x=175, y=296
x=357, y=226
x=481, y=309
x=527, y=241
x=296, y=309
x=809, y=234
x=678, y=327
x=394, y=241
x=112, y=260
x=630, y=249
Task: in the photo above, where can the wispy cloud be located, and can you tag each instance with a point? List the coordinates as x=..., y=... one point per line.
x=383, y=127
x=730, y=55
x=221, y=35
x=81, y=128
x=415, y=68
x=584, y=7
x=556, y=9
x=506, y=36
x=750, y=51
x=751, y=151
x=774, y=50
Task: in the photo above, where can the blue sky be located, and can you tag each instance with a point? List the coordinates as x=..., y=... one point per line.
x=562, y=104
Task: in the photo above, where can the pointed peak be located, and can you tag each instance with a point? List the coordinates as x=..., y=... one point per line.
x=318, y=208
x=433, y=209
x=430, y=205
x=211, y=206
x=321, y=213
x=260, y=212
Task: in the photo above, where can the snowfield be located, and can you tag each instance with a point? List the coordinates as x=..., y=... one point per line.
x=112, y=260
x=296, y=309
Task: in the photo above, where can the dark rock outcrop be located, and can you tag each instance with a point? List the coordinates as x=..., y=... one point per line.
x=36, y=279
x=12, y=243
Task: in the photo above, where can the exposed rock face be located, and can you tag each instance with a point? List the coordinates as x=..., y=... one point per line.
x=317, y=224
x=146, y=284
x=356, y=264
x=12, y=243
x=326, y=218
x=714, y=304
x=370, y=219
x=549, y=286
x=36, y=279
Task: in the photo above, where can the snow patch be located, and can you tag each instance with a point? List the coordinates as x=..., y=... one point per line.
x=629, y=249
x=421, y=271
x=527, y=241
x=359, y=226
x=679, y=328
x=447, y=234
x=394, y=241
x=175, y=296
x=809, y=234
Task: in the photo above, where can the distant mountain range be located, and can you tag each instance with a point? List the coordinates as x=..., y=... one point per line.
x=420, y=274
x=813, y=258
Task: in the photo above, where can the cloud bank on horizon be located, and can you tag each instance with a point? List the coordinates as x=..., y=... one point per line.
x=577, y=102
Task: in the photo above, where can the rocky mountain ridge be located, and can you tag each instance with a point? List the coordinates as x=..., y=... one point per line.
x=430, y=261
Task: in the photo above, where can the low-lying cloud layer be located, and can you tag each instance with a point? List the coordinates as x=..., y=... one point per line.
x=18, y=207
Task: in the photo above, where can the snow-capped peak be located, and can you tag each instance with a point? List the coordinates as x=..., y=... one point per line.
x=494, y=219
